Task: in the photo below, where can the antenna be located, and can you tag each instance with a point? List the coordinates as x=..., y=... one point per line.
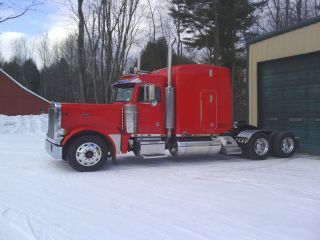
x=139, y=63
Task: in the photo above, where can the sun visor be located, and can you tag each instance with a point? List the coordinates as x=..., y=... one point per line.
x=126, y=82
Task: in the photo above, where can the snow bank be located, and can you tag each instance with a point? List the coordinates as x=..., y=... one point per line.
x=36, y=124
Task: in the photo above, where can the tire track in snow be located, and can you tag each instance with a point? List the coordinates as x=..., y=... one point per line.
x=15, y=225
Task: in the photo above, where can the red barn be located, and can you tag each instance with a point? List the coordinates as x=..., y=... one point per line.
x=16, y=99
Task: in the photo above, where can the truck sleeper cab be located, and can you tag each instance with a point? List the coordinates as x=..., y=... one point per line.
x=186, y=109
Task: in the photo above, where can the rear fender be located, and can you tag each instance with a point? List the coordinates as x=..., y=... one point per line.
x=244, y=136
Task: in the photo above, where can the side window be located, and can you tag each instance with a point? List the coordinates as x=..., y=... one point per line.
x=141, y=94
x=158, y=94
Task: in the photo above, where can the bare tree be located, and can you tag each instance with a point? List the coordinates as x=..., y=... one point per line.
x=22, y=49
x=56, y=51
x=13, y=11
x=179, y=31
x=81, y=60
x=152, y=10
x=316, y=7
x=43, y=49
x=299, y=9
x=166, y=26
x=110, y=31
x=122, y=33
x=287, y=8
x=177, y=21
x=282, y=13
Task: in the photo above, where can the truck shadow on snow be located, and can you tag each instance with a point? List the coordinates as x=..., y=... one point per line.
x=165, y=161
x=130, y=162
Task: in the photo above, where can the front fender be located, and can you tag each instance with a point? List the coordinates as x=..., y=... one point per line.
x=113, y=139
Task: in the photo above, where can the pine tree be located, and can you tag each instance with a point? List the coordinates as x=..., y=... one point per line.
x=216, y=26
x=154, y=56
x=14, y=69
x=31, y=75
x=220, y=28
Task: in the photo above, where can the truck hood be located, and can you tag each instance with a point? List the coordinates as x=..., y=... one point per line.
x=105, y=118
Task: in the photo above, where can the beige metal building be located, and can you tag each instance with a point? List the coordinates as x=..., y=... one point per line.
x=284, y=82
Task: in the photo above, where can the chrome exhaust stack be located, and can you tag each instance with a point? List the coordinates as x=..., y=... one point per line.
x=170, y=95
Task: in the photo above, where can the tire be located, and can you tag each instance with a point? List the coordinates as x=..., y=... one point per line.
x=284, y=145
x=244, y=150
x=136, y=149
x=173, y=148
x=87, y=153
x=258, y=147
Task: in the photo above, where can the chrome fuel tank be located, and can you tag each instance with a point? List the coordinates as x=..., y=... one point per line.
x=198, y=147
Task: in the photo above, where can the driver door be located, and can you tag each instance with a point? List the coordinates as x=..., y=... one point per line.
x=150, y=114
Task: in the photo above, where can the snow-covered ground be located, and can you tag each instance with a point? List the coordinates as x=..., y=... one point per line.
x=218, y=197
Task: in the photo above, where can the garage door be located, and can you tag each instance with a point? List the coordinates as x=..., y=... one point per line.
x=289, y=98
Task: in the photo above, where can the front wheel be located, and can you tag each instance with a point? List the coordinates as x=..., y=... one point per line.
x=87, y=153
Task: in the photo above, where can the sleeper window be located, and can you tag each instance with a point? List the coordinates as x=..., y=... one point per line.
x=141, y=94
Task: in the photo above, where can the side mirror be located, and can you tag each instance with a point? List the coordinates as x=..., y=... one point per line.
x=149, y=93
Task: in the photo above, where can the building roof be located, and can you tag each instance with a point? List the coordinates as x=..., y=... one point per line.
x=285, y=30
x=21, y=86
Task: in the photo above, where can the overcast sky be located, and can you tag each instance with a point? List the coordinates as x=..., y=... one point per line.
x=49, y=17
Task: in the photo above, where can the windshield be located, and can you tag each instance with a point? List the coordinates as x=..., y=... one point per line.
x=123, y=94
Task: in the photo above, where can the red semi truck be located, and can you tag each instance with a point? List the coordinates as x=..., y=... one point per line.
x=186, y=109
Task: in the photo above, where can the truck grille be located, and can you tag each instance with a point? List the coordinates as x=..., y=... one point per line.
x=54, y=121
x=51, y=116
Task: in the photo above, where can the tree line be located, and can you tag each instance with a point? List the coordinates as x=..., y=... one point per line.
x=111, y=33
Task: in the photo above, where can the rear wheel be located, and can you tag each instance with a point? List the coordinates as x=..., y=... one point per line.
x=284, y=145
x=258, y=147
x=87, y=153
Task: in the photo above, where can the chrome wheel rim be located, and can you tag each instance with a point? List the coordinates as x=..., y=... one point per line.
x=287, y=145
x=88, y=154
x=261, y=146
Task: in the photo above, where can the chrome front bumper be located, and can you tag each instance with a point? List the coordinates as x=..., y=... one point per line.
x=54, y=150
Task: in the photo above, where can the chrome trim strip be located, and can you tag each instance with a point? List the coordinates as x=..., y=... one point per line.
x=196, y=135
x=148, y=135
x=116, y=138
